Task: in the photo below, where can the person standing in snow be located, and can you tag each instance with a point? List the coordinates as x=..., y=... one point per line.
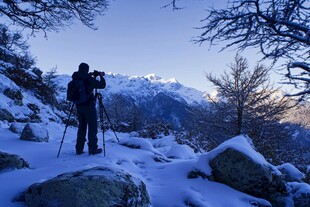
x=87, y=114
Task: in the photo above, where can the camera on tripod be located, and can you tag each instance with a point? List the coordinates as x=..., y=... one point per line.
x=97, y=73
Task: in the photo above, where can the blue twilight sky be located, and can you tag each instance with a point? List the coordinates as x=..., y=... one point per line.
x=138, y=37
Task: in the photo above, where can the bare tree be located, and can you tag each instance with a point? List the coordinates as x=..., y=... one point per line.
x=51, y=15
x=123, y=112
x=249, y=97
x=279, y=28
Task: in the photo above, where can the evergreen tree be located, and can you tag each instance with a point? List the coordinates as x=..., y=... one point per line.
x=16, y=60
x=51, y=86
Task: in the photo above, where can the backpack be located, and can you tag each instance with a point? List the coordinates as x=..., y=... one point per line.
x=76, y=92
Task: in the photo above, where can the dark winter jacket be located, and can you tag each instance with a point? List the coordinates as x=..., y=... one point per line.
x=90, y=84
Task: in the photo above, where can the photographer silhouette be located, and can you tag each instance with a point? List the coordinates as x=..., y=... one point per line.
x=87, y=115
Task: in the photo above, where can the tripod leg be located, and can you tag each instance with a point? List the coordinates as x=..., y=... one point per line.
x=101, y=107
x=103, y=143
x=67, y=124
x=102, y=128
x=109, y=121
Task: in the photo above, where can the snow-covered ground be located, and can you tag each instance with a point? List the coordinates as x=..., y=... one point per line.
x=167, y=182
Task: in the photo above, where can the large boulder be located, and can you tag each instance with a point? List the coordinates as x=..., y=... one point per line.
x=239, y=166
x=11, y=161
x=98, y=187
x=34, y=132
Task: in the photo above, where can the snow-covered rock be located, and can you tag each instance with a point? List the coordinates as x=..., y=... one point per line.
x=5, y=115
x=236, y=164
x=98, y=186
x=17, y=127
x=143, y=144
x=300, y=193
x=15, y=95
x=180, y=152
x=11, y=161
x=34, y=132
x=291, y=173
x=18, y=104
x=139, y=143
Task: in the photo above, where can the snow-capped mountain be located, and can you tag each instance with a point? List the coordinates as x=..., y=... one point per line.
x=146, y=99
x=144, y=88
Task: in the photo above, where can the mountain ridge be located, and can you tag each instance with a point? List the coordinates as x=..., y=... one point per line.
x=144, y=87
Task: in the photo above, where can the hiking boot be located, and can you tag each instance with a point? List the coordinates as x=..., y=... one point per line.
x=80, y=152
x=96, y=151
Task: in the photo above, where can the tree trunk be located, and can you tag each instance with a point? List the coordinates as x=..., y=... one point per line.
x=239, y=121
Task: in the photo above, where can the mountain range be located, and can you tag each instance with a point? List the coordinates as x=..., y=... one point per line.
x=149, y=98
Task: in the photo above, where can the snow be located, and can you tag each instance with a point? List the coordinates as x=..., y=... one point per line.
x=166, y=181
x=162, y=164
x=23, y=111
x=292, y=171
x=139, y=143
x=38, y=130
x=243, y=144
x=181, y=152
x=299, y=188
x=140, y=87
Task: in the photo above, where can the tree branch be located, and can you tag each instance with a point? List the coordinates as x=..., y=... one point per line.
x=47, y=15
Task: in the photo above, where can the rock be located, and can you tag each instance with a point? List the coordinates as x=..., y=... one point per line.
x=11, y=161
x=34, y=117
x=244, y=174
x=15, y=95
x=291, y=173
x=23, y=120
x=6, y=115
x=33, y=108
x=16, y=127
x=248, y=172
x=196, y=174
x=301, y=194
x=307, y=176
x=99, y=186
x=34, y=132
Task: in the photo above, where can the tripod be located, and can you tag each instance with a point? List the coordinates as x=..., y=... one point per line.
x=67, y=124
x=102, y=110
